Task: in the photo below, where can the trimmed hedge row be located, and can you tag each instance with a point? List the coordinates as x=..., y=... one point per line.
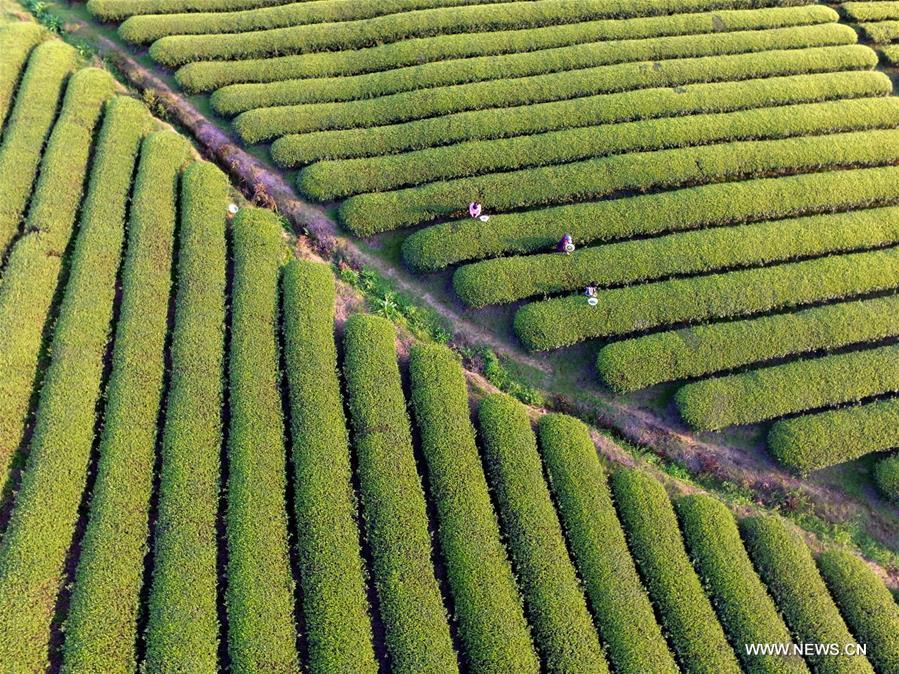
x=368, y=214
x=30, y=279
x=101, y=627
x=787, y=568
x=202, y=21
x=182, y=632
x=563, y=629
x=445, y=244
x=40, y=530
x=27, y=129
x=620, y=605
x=802, y=385
x=393, y=502
x=551, y=324
x=116, y=10
x=332, y=577
x=266, y=123
x=16, y=42
x=260, y=587
x=819, y=440
x=329, y=180
x=747, y=613
x=508, y=279
x=705, y=349
x=891, y=54
x=655, y=542
x=179, y=49
x=238, y=98
x=870, y=11
x=588, y=111
x=487, y=605
x=886, y=477
x=210, y=75
x=866, y=604
x=109, y=578
x=881, y=32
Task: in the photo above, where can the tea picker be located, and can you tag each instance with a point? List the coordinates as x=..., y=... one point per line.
x=566, y=245
x=475, y=209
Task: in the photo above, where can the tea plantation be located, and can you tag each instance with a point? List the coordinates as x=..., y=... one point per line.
x=212, y=459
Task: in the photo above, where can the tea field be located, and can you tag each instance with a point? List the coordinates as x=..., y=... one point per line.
x=213, y=459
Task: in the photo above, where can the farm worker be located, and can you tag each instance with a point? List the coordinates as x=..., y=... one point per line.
x=566, y=245
x=474, y=209
x=590, y=291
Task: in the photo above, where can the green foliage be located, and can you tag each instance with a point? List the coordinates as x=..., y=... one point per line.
x=178, y=49
x=393, y=502
x=881, y=32
x=729, y=203
x=16, y=42
x=870, y=11
x=239, y=98
x=101, y=630
x=28, y=126
x=210, y=75
x=32, y=558
x=502, y=379
x=558, y=322
x=553, y=598
x=866, y=604
x=656, y=544
x=487, y=604
x=116, y=10
x=704, y=349
x=787, y=568
x=584, y=111
x=819, y=440
x=886, y=477
x=182, y=634
x=747, y=613
x=798, y=386
x=265, y=123
x=508, y=279
x=332, y=580
x=620, y=605
x=368, y=214
x=260, y=588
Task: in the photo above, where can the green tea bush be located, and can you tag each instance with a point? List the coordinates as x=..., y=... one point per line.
x=866, y=604
x=242, y=97
x=798, y=386
x=393, y=502
x=211, y=75
x=553, y=597
x=787, y=568
x=117, y=10
x=34, y=263
x=870, y=11
x=40, y=531
x=29, y=124
x=368, y=214
x=183, y=628
x=208, y=21
x=338, y=625
x=890, y=54
x=656, y=544
x=178, y=49
x=508, y=279
x=487, y=605
x=266, y=123
x=705, y=349
x=101, y=628
x=260, y=587
x=747, y=613
x=332, y=179
x=731, y=203
x=886, y=477
x=819, y=440
x=555, y=323
x=16, y=42
x=642, y=104
x=882, y=32
x=620, y=605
